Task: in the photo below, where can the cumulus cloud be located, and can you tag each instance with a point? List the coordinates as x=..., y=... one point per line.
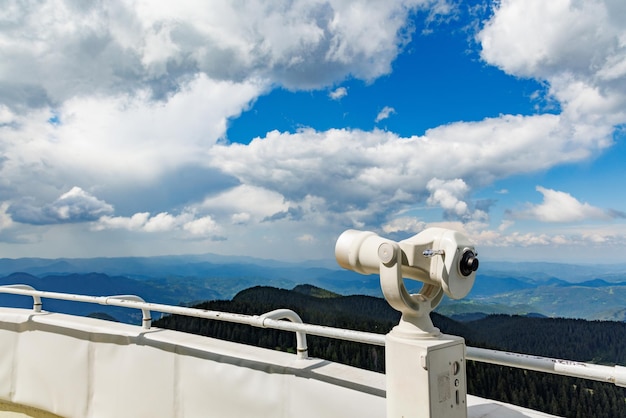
x=370, y=174
x=6, y=116
x=246, y=202
x=613, y=238
x=404, y=224
x=384, y=113
x=560, y=206
x=516, y=39
x=127, y=93
x=61, y=49
x=338, y=94
x=563, y=243
x=201, y=226
x=450, y=195
x=106, y=137
x=240, y=218
x=163, y=222
x=5, y=218
x=135, y=222
x=447, y=195
x=76, y=205
x=579, y=48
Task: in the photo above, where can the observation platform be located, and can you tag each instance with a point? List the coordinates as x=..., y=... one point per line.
x=53, y=364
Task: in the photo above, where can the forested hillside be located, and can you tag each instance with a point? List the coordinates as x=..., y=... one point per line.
x=602, y=342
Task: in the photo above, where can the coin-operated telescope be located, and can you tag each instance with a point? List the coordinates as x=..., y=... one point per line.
x=425, y=369
x=444, y=260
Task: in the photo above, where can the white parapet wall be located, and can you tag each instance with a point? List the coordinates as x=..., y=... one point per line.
x=83, y=367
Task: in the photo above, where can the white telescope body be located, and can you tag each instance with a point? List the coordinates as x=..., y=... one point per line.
x=436, y=256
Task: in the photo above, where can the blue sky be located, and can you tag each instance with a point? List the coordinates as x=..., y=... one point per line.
x=160, y=128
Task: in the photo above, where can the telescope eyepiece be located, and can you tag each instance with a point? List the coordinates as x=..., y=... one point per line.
x=469, y=262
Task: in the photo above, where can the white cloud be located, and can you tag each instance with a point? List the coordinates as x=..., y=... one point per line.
x=246, y=202
x=578, y=47
x=163, y=222
x=561, y=207
x=448, y=194
x=62, y=49
x=76, y=205
x=134, y=223
x=566, y=243
x=404, y=224
x=116, y=96
x=563, y=244
x=240, y=218
x=5, y=219
x=384, y=113
x=201, y=226
x=6, y=116
x=124, y=136
x=338, y=94
x=365, y=175
x=506, y=224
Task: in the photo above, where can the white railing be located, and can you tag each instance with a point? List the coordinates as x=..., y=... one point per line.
x=608, y=374
x=274, y=320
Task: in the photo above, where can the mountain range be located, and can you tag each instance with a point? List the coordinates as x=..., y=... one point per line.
x=540, y=289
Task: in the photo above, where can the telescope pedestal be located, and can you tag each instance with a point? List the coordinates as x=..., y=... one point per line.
x=425, y=376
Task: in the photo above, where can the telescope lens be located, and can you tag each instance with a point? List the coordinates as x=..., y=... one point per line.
x=469, y=263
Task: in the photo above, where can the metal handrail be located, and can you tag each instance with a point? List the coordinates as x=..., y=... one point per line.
x=608, y=374
x=273, y=319
x=301, y=346
x=268, y=320
x=117, y=300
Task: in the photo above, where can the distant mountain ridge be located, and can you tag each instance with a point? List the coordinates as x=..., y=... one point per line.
x=589, y=292
x=157, y=266
x=187, y=265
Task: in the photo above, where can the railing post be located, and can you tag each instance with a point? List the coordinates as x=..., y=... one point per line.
x=277, y=314
x=146, y=321
x=37, y=305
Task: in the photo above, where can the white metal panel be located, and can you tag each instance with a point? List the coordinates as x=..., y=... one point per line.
x=123, y=372
x=336, y=392
x=82, y=367
x=51, y=371
x=8, y=348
